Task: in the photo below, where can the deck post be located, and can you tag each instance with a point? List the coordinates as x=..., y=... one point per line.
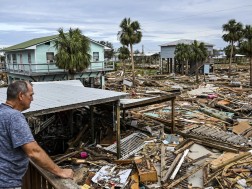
x=92, y=123
x=173, y=115
x=118, y=129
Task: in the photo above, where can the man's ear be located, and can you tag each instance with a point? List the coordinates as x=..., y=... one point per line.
x=20, y=96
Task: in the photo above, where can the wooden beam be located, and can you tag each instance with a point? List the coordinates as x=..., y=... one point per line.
x=171, y=168
x=173, y=115
x=92, y=123
x=118, y=133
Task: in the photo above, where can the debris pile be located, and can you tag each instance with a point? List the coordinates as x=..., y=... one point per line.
x=210, y=147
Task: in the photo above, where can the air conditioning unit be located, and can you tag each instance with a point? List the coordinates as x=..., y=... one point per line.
x=50, y=61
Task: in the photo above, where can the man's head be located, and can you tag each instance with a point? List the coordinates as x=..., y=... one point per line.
x=20, y=94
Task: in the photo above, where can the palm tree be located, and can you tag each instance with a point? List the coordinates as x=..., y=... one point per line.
x=246, y=46
x=234, y=34
x=182, y=54
x=227, y=51
x=124, y=54
x=129, y=35
x=198, y=54
x=73, y=51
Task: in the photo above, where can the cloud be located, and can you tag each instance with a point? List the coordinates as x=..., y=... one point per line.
x=161, y=20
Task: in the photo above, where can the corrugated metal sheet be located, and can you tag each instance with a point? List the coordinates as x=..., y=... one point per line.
x=62, y=95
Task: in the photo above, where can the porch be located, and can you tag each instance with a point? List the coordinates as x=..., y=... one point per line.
x=34, y=69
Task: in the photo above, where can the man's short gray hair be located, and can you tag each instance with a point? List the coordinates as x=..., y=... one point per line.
x=15, y=88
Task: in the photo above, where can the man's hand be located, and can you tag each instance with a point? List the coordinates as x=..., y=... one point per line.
x=40, y=157
x=66, y=173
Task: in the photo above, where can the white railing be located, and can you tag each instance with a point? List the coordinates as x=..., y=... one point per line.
x=47, y=68
x=2, y=67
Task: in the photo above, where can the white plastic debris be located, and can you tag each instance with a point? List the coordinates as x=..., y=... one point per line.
x=242, y=182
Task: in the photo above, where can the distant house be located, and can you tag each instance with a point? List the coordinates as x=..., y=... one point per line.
x=168, y=63
x=34, y=60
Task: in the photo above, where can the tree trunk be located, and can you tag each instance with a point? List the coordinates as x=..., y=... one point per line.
x=230, y=60
x=124, y=68
x=182, y=68
x=186, y=67
x=197, y=72
x=250, y=71
x=133, y=66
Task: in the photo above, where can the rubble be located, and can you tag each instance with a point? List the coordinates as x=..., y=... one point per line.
x=210, y=146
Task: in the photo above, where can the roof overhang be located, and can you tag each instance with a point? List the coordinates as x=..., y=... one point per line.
x=57, y=96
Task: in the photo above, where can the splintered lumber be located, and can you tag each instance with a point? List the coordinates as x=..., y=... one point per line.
x=162, y=174
x=184, y=147
x=123, y=162
x=65, y=157
x=77, y=139
x=152, y=108
x=171, y=168
x=226, y=168
x=147, y=173
x=214, y=113
x=134, y=184
x=211, y=177
x=227, y=108
x=198, y=159
x=174, y=183
x=234, y=159
x=215, y=145
x=181, y=144
x=179, y=164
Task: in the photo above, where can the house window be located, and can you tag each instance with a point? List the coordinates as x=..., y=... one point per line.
x=8, y=58
x=14, y=58
x=49, y=57
x=95, y=56
x=29, y=57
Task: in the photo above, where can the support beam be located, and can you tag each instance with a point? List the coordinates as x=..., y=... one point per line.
x=102, y=81
x=173, y=115
x=92, y=123
x=70, y=121
x=118, y=129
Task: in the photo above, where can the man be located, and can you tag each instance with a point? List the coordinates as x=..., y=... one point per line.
x=17, y=144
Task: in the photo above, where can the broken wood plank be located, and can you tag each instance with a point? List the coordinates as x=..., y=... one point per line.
x=179, y=164
x=152, y=108
x=181, y=149
x=236, y=158
x=162, y=174
x=198, y=159
x=185, y=176
x=171, y=168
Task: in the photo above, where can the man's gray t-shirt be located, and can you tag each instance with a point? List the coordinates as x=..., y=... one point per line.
x=14, y=132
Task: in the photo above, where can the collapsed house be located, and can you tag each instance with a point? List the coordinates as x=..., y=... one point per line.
x=201, y=140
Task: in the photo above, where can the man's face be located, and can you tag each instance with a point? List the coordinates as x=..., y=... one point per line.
x=27, y=98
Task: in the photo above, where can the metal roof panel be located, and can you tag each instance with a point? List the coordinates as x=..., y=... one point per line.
x=61, y=95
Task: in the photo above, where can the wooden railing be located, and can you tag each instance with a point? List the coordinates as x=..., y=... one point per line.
x=34, y=179
x=38, y=178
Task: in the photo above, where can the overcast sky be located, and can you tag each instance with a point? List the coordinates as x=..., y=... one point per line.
x=161, y=21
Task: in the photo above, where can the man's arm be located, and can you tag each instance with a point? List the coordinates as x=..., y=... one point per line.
x=40, y=157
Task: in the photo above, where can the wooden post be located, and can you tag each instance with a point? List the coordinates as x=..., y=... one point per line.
x=173, y=115
x=118, y=133
x=102, y=82
x=70, y=121
x=92, y=123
